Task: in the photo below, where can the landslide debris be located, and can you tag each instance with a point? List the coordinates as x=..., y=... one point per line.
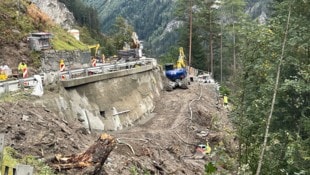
x=35, y=130
x=165, y=142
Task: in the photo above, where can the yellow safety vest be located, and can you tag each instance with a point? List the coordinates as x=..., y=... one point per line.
x=225, y=99
x=22, y=66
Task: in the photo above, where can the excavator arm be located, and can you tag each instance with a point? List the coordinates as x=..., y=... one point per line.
x=94, y=49
x=181, y=62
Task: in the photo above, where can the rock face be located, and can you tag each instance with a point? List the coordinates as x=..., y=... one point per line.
x=57, y=11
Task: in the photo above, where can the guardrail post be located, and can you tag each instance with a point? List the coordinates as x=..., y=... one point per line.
x=86, y=71
x=69, y=74
x=116, y=67
x=6, y=87
x=21, y=83
x=102, y=68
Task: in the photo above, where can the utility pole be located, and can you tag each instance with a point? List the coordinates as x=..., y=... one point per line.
x=221, y=50
x=211, y=43
x=234, y=42
x=190, y=33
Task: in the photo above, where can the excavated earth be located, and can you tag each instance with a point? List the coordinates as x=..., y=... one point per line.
x=162, y=143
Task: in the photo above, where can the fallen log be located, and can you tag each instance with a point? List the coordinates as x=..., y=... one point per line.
x=95, y=156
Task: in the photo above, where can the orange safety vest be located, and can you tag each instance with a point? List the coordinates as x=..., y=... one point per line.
x=62, y=67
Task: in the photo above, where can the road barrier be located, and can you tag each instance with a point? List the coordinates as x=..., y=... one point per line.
x=14, y=85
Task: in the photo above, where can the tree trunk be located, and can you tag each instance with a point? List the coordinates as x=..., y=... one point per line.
x=94, y=156
x=275, y=90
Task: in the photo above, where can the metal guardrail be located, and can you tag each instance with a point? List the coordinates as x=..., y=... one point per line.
x=102, y=68
x=14, y=85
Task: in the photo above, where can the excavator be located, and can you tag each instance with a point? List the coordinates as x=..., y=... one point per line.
x=94, y=49
x=95, y=52
x=131, y=52
x=177, y=74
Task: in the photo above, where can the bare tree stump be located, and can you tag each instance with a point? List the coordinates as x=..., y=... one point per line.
x=94, y=156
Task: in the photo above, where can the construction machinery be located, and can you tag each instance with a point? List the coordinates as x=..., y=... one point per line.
x=177, y=74
x=94, y=50
x=132, y=51
x=96, y=54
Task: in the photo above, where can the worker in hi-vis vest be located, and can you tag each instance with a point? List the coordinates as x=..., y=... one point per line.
x=62, y=65
x=225, y=100
x=22, y=68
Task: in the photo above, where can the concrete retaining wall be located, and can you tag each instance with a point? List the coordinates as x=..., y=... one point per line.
x=109, y=104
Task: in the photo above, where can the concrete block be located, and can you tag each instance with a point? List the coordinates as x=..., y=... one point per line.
x=24, y=169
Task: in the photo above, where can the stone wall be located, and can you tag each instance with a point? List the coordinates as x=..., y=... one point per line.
x=73, y=59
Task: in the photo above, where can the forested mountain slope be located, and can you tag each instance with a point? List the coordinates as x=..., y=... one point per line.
x=154, y=20
x=149, y=18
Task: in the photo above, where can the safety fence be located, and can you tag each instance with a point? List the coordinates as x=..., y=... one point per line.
x=14, y=85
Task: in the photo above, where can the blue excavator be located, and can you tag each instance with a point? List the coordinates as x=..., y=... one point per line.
x=177, y=74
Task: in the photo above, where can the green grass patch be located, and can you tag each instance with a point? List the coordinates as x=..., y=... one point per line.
x=11, y=158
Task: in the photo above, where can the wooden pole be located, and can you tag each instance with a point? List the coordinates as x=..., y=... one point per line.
x=190, y=34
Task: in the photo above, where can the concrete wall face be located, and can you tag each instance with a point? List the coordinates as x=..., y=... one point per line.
x=111, y=104
x=131, y=96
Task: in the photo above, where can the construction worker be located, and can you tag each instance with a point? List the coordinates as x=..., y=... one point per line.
x=62, y=65
x=22, y=68
x=225, y=99
x=93, y=61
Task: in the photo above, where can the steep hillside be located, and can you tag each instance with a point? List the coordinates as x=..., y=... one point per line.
x=16, y=22
x=57, y=12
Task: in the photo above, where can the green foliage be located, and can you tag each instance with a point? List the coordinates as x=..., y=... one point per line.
x=12, y=97
x=210, y=168
x=63, y=41
x=9, y=20
x=224, y=90
x=36, y=59
x=122, y=32
x=260, y=48
x=11, y=158
x=134, y=170
x=40, y=167
x=170, y=57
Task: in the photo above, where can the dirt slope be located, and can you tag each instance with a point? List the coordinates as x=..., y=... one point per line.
x=163, y=143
